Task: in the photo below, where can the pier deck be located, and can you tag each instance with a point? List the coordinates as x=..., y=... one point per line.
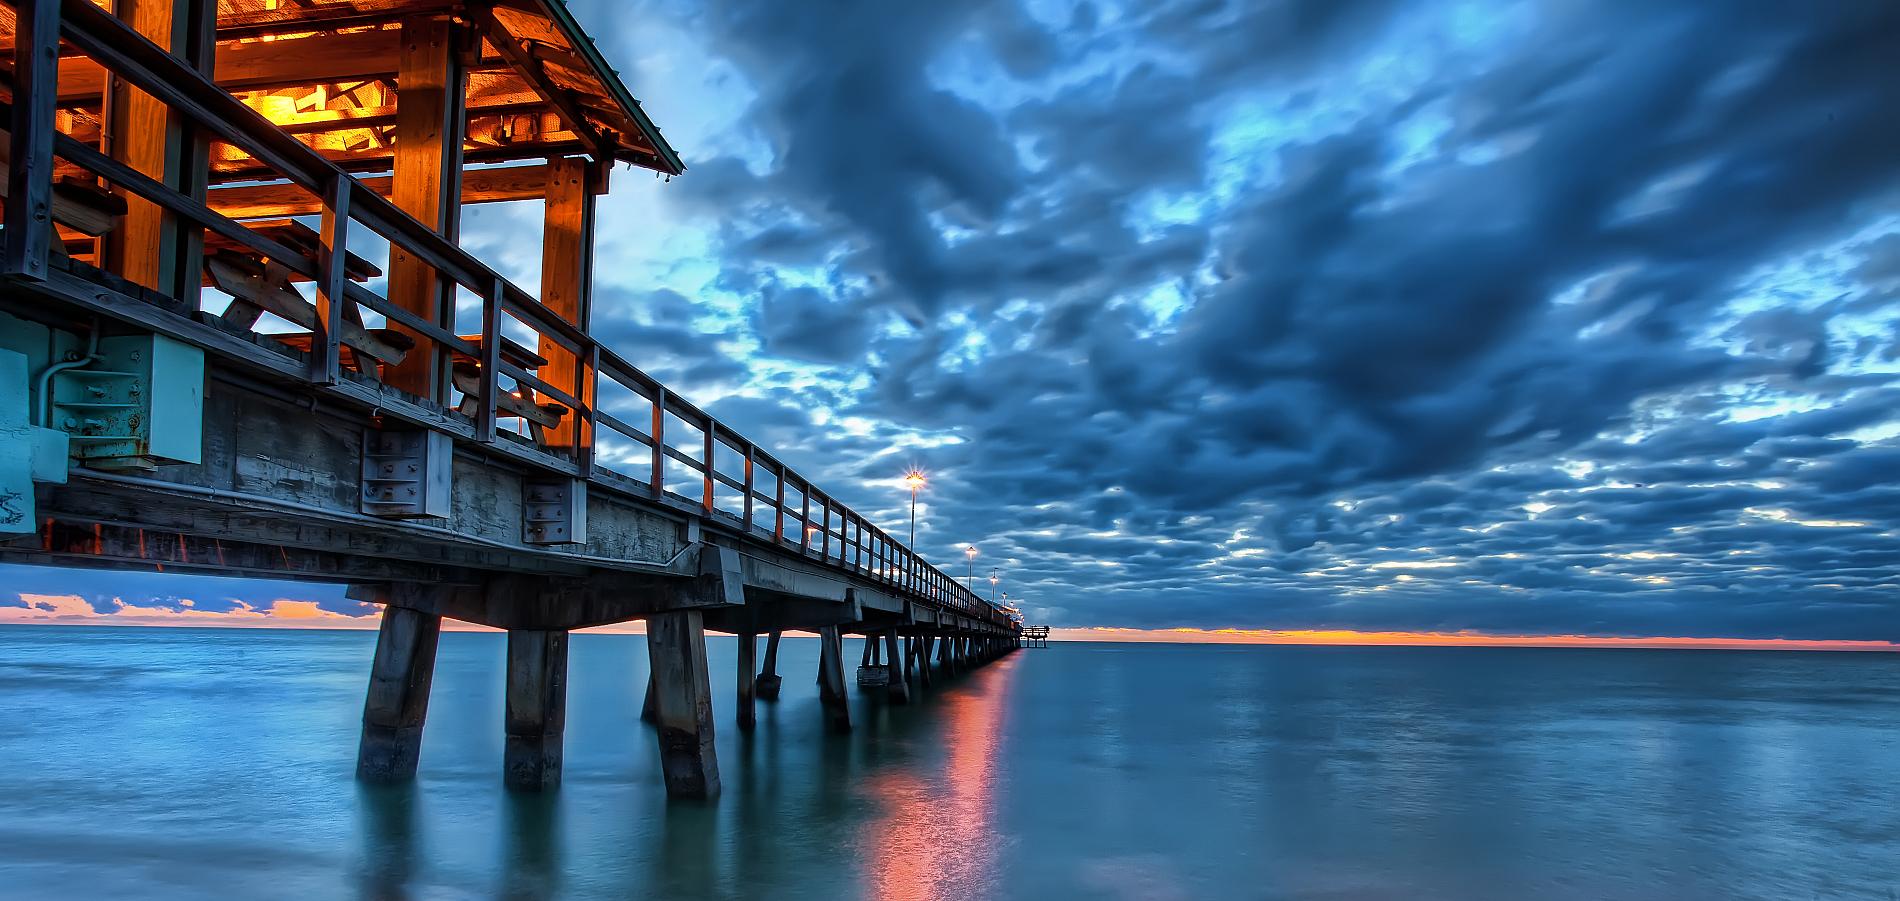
x=238, y=336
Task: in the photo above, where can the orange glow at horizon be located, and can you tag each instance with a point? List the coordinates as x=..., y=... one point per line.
x=1350, y=637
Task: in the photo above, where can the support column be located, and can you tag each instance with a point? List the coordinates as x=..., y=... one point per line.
x=769, y=680
x=831, y=679
x=537, y=708
x=946, y=654
x=924, y=642
x=431, y=88
x=748, y=646
x=648, y=711
x=567, y=251
x=676, y=644
x=398, y=698
x=896, y=690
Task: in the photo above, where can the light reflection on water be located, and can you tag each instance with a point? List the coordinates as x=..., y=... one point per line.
x=187, y=764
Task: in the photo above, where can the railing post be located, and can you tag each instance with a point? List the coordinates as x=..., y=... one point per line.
x=491, y=361
x=748, y=488
x=658, y=433
x=778, y=508
x=584, y=442
x=706, y=457
x=804, y=517
x=332, y=277
x=825, y=529
x=29, y=205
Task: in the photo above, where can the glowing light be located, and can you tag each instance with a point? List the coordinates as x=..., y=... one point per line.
x=914, y=480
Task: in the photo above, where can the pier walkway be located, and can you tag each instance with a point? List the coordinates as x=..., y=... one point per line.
x=238, y=336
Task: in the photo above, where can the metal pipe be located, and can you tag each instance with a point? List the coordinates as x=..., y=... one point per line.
x=44, y=409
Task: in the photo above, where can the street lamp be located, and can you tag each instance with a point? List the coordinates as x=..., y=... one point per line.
x=992, y=585
x=969, y=572
x=915, y=480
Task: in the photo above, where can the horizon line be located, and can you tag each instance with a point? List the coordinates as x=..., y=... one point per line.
x=288, y=614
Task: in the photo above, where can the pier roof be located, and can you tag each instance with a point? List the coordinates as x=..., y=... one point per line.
x=326, y=70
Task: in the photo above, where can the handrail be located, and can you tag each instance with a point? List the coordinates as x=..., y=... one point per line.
x=860, y=547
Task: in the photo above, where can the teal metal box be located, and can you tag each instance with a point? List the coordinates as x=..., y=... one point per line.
x=140, y=404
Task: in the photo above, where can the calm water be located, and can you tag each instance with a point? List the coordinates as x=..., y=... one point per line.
x=187, y=764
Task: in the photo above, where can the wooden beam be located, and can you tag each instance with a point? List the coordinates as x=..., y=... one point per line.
x=259, y=65
x=536, y=75
x=567, y=249
x=430, y=89
x=495, y=185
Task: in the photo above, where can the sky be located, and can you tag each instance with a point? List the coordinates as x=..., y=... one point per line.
x=1347, y=317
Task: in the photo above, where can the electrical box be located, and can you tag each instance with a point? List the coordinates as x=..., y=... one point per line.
x=28, y=453
x=138, y=405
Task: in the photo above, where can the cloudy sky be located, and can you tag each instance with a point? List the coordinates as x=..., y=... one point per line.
x=1526, y=319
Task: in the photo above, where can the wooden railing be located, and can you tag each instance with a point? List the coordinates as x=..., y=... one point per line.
x=774, y=504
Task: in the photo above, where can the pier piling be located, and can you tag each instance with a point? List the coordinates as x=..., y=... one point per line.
x=748, y=713
x=536, y=708
x=398, y=699
x=831, y=693
x=768, y=683
x=676, y=643
x=896, y=688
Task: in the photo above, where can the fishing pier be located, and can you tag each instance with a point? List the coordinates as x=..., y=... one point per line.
x=238, y=336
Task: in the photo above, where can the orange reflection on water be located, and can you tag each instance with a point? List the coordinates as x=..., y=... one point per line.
x=935, y=835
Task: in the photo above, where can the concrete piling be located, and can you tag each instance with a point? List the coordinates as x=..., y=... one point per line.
x=831, y=692
x=536, y=708
x=748, y=646
x=768, y=682
x=676, y=645
x=896, y=688
x=398, y=699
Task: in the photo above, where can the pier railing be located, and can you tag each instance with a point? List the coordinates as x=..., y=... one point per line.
x=668, y=450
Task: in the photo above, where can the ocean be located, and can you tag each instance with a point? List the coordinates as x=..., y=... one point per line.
x=207, y=763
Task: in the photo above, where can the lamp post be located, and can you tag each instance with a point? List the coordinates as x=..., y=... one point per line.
x=969, y=572
x=915, y=480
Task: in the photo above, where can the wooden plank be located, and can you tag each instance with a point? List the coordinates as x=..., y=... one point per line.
x=567, y=241
x=291, y=306
x=430, y=90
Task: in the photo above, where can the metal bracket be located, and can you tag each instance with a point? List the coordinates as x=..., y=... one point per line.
x=406, y=473
x=554, y=511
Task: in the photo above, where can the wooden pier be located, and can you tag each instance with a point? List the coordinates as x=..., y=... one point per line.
x=1033, y=637
x=238, y=336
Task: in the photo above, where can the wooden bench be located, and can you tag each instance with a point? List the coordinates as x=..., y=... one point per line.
x=259, y=285
x=466, y=375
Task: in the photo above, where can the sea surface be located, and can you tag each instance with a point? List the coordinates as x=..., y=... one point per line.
x=185, y=763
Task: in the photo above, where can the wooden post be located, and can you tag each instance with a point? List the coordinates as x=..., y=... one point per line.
x=924, y=642
x=676, y=643
x=648, y=709
x=33, y=120
x=831, y=679
x=748, y=647
x=398, y=698
x=143, y=133
x=896, y=690
x=947, y=654
x=567, y=249
x=769, y=680
x=536, y=708
x=430, y=91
